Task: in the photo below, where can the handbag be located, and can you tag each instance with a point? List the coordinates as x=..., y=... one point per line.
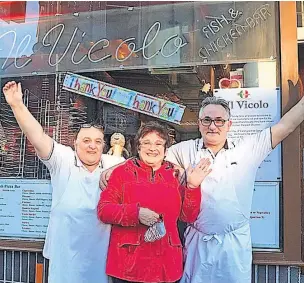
x=156, y=231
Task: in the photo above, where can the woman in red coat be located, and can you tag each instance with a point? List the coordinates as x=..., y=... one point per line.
x=142, y=192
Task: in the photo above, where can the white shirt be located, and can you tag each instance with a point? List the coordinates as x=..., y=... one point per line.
x=225, y=208
x=76, y=242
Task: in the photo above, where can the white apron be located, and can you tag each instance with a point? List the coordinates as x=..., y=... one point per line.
x=218, y=244
x=76, y=242
x=79, y=253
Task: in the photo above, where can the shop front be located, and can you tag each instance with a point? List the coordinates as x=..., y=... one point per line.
x=124, y=63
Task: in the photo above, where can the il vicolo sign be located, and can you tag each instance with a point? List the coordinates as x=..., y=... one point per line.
x=63, y=44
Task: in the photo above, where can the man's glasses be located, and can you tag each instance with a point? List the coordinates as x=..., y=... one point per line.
x=90, y=125
x=218, y=122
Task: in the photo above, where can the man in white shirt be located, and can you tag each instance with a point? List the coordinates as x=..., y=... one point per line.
x=76, y=242
x=218, y=245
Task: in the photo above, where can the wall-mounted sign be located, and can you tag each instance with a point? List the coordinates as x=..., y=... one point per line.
x=265, y=215
x=130, y=99
x=196, y=33
x=252, y=110
x=24, y=208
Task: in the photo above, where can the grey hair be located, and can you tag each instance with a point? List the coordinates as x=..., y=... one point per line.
x=213, y=100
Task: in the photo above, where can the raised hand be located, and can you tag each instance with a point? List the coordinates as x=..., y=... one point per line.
x=196, y=175
x=104, y=178
x=13, y=93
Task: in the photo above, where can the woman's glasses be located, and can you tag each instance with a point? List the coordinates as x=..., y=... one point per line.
x=148, y=144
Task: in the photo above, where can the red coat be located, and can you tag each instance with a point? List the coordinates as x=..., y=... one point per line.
x=134, y=185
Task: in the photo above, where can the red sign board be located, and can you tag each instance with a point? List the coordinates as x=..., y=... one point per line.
x=13, y=11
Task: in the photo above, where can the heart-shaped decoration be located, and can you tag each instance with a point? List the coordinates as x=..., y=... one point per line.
x=229, y=83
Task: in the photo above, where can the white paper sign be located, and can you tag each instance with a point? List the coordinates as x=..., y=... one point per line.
x=24, y=208
x=252, y=110
x=265, y=217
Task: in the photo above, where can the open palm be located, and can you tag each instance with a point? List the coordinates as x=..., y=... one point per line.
x=196, y=175
x=13, y=93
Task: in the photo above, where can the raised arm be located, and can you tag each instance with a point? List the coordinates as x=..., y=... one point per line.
x=288, y=123
x=191, y=204
x=29, y=125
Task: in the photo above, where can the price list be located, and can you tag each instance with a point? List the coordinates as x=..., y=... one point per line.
x=24, y=208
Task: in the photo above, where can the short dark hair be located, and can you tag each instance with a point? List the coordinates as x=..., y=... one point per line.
x=215, y=101
x=151, y=127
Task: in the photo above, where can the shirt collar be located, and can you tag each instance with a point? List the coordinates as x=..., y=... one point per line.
x=228, y=144
x=78, y=162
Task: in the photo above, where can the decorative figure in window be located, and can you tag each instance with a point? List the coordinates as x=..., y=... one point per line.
x=205, y=91
x=117, y=145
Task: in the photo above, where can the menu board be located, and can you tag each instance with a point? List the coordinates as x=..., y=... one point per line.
x=24, y=208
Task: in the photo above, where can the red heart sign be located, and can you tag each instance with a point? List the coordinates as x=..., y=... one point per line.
x=229, y=83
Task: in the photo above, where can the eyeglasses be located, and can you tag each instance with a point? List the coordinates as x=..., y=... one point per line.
x=90, y=125
x=148, y=144
x=218, y=122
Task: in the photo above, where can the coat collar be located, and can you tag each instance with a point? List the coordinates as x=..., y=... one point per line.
x=137, y=162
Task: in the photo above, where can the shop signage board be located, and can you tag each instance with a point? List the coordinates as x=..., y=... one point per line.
x=108, y=39
x=24, y=208
x=265, y=215
x=252, y=110
x=130, y=99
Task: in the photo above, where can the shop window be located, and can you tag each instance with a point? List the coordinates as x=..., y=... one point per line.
x=166, y=51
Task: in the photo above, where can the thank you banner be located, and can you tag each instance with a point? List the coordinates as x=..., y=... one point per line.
x=130, y=99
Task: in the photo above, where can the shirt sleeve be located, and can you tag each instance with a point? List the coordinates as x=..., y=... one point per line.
x=182, y=154
x=59, y=163
x=111, y=160
x=258, y=146
x=174, y=155
x=60, y=155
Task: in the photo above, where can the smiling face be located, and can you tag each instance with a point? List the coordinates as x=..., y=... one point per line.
x=89, y=146
x=152, y=150
x=212, y=135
